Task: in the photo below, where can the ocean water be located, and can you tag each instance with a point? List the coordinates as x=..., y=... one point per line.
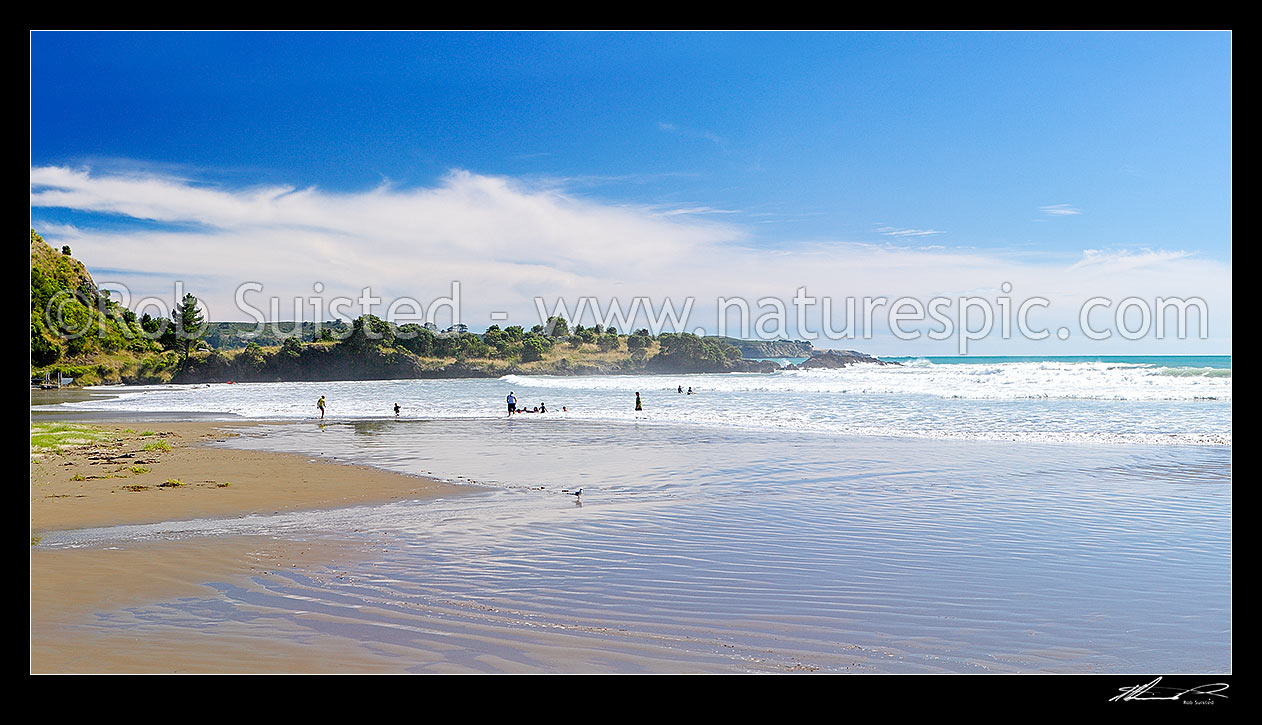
x=1186, y=363
x=1040, y=517
x=1036, y=401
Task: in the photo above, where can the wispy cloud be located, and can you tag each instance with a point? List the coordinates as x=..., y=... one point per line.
x=710, y=136
x=1126, y=259
x=1059, y=210
x=699, y=210
x=896, y=232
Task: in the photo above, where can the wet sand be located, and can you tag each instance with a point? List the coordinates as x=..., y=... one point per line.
x=216, y=481
x=918, y=557
x=104, y=484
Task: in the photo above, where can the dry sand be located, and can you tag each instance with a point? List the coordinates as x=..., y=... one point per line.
x=95, y=485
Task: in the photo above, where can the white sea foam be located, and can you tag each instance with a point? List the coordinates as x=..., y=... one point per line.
x=995, y=381
x=1080, y=402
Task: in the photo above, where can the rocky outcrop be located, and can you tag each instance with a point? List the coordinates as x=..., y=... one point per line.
x=769, y=348
x=832, y=359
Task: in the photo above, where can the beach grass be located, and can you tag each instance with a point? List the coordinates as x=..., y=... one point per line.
x=158, y=446
x=53, y=437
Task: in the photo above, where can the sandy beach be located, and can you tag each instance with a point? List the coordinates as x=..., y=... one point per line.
x=129, y=477
x=286, y=545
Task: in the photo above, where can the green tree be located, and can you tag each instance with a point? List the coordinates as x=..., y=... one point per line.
x=291, y=348
x=607, y=342
x=369, y=332
x=557, y=327
x=45, y=347
x=419, y=340
x=639, y=341
x=251, y=358
x=533, y=348
x=582, y=336
x=188, y=325
x=149, y=324
x=498, y=341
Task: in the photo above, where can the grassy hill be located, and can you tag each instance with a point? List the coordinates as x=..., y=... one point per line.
x=76, y=329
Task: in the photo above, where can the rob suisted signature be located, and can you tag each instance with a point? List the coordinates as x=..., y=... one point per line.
x=1151, y=691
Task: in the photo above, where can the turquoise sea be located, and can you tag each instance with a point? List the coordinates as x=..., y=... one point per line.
x=1217, y=362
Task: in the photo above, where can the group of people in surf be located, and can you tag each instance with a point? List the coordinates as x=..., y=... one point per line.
x=512, y=405
x=540, y=408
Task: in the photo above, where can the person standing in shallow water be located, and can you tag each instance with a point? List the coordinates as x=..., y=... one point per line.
x=320, y=405
x=638, y=405
x=512, y=403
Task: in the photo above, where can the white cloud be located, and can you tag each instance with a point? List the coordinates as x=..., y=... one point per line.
x=896, y=232
x=1059, y=210
x=1124, y=259
x=699, y=210
x=506, y=242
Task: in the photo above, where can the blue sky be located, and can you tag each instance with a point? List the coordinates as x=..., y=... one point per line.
x=1038, y=150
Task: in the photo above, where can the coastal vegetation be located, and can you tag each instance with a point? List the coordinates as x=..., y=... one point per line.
x=770, y=348
x=79, y=331
x=53, y=437
x=376, y=349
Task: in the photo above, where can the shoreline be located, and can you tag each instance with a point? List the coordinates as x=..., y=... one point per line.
x=73, y=587
x=258, y=603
